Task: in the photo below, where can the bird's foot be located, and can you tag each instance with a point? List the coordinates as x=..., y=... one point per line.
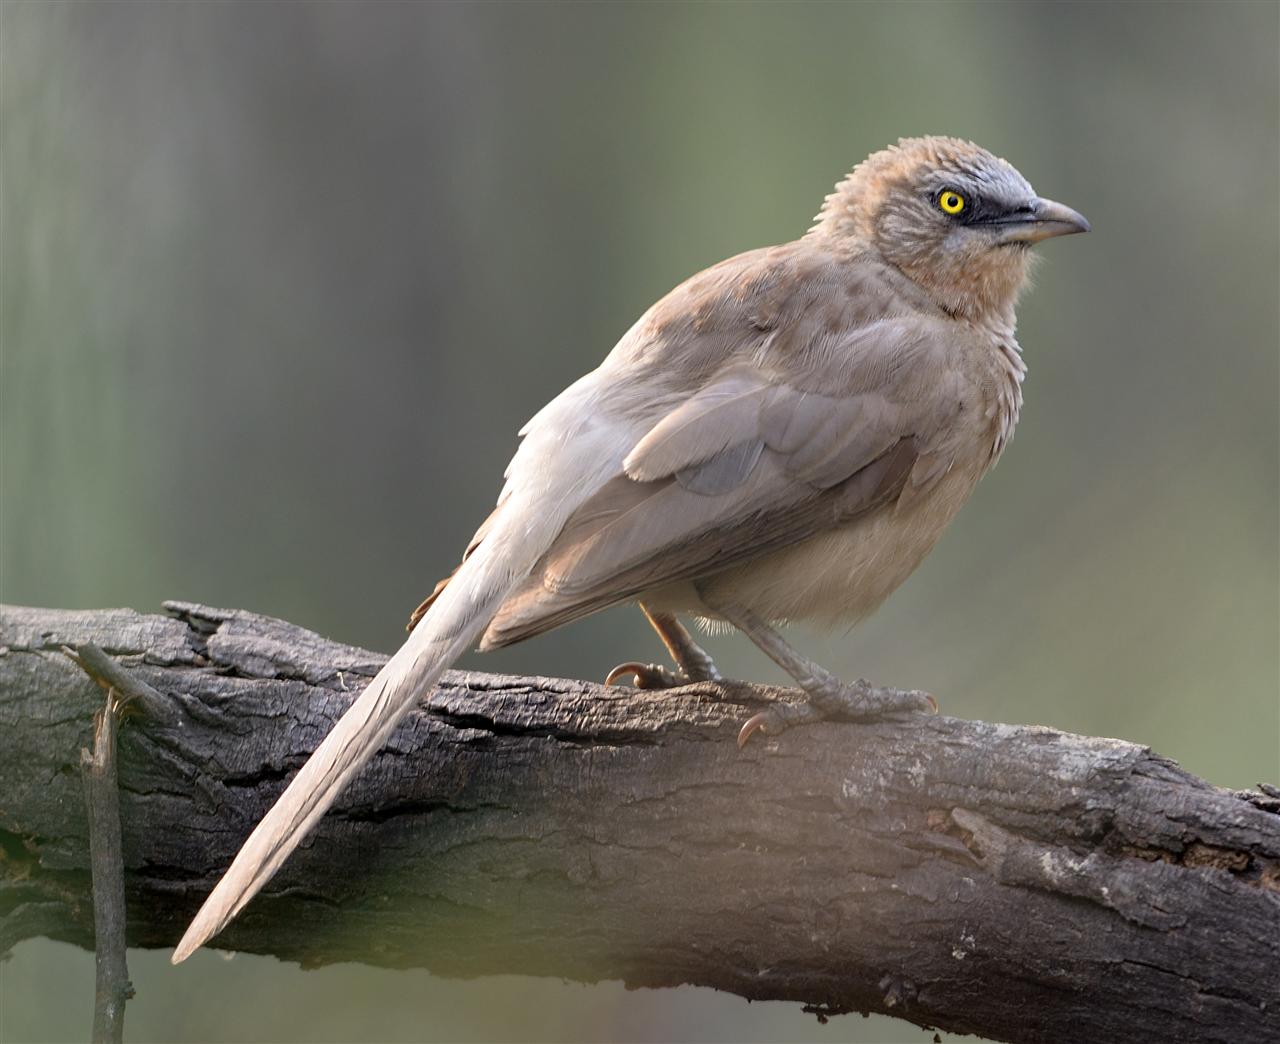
x=646, y=675
x=856, y=701
x=656, y=676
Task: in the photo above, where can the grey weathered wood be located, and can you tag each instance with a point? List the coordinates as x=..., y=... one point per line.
x=1015, y=882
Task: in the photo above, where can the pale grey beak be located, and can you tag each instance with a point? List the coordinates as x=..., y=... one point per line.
x=1043, y=219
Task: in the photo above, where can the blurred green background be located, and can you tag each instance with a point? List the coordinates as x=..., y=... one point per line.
x=280, y=282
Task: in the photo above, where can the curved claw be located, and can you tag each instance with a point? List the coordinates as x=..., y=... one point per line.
x=755, y=723
x=778, y=719
x=646, y=675
x=632, y=668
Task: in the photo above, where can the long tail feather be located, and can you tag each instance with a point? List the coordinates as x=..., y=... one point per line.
x=568, y=452
x=453, y=624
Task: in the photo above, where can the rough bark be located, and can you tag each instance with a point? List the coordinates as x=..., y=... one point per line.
x=1015, y=882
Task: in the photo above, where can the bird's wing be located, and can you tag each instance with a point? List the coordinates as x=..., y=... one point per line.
x=756, y=460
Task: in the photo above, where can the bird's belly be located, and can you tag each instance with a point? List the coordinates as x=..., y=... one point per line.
x=842, y=575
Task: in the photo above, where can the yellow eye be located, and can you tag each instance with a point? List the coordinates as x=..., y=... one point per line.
x=951, y=202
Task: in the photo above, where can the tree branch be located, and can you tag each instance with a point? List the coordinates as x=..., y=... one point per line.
x=1015, y=882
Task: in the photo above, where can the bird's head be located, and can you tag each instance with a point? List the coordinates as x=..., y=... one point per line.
x=953, y=217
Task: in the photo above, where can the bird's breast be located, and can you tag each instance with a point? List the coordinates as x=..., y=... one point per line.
x=844, y=574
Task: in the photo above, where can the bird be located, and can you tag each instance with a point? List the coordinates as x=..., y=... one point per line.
x=783, y=437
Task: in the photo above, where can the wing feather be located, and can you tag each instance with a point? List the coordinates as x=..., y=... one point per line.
x=720, y=417
x=543, y=604
x=803, y=462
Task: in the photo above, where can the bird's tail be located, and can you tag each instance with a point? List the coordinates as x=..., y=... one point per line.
x=458, y=617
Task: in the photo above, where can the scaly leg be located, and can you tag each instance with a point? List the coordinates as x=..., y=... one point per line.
x=829, y=697
x=693, y=662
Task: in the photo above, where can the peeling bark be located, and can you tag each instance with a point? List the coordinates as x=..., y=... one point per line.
x=1015, y=882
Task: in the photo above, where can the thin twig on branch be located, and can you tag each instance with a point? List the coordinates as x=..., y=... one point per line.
x=1015, y=882
x=112, y=988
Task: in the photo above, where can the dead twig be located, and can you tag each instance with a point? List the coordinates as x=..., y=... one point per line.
x=112, y=988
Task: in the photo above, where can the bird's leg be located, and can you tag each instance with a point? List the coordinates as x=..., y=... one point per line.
x=693, y=662
x=829, y=697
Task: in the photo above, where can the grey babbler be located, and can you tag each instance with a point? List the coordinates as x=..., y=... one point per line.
x=782, y=437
